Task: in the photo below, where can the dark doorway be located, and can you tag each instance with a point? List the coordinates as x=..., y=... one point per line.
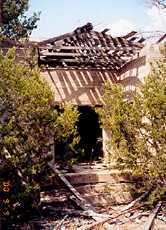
x=90, y=145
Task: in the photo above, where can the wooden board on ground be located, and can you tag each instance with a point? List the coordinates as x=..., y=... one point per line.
x=82, y=202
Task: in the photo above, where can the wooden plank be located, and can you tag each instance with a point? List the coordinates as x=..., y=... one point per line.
x=60, y=54
x=80, y=201
x=69, y=212
x=134, y=202
x=129, y=35
x=148, y=225
x=136, y=45
x=96, y=225
x=52, y=60
x=108, y=40
x=115, y=42
x=54, y=39
x=161, y=38
x=58, y=226
x=76, y=48
x=162, y=217
x=124, y=48
x=78, y=62
x=122, y=41
x=67, y=183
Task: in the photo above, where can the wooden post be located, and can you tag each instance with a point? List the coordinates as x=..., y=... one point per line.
x=106, y=150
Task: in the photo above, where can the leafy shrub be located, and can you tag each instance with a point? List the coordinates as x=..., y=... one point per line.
x=138, y=129
x=29, y=124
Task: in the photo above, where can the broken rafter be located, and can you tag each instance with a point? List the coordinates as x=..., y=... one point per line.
x=149, y=223
x=79, y=30
x=129, y=35
x=100, y=47
x=134, y=202
x=162, y=38
x=58, y=227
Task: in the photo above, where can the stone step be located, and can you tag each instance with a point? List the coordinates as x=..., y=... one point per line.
x=112, y=176
x=99, y=195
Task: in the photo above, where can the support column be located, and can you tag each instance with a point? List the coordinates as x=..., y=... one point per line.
x=106, y=148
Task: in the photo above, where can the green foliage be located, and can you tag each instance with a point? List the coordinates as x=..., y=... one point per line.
x=138, y=129
x=14, y=22
x=31, y=56
x=29, y=123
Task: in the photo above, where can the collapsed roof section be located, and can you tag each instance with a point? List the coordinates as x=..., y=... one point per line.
x=87, y=48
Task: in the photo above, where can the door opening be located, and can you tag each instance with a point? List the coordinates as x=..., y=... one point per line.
x=90, y=145
x=89, y=148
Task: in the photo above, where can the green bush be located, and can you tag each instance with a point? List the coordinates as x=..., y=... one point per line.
x=138, y=129
x=29, y=124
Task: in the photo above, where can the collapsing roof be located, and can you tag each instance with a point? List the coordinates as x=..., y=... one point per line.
x=87, y=48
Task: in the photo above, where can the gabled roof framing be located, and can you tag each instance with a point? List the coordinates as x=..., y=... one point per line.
x=85, y=47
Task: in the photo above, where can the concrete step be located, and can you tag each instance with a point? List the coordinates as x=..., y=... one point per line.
x=104, y=176
x=99, y=195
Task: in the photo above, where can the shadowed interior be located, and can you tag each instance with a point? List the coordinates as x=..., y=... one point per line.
x=90, y=134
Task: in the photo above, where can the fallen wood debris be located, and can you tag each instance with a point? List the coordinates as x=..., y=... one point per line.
x=71, y=212
x=89, y=212
x=82, y=203
x=139, y=215
x=149, y=223
x=134, y=202
x=97, y=225
x=162, y=217
x=135, y=217
x=85, y=204
x=58, y=227
x=122, y=213
x=104, y=221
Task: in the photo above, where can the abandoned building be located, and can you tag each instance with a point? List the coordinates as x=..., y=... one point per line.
x=76, y=66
